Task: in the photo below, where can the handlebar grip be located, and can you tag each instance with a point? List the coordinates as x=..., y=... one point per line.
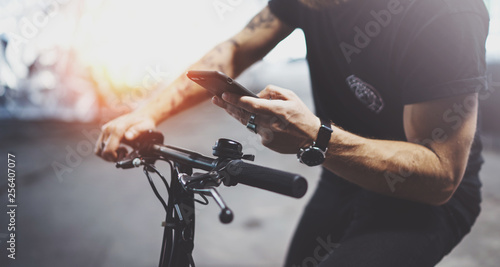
x=277, y=181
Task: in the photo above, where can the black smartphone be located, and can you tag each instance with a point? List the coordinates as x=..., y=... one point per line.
x=217, y=82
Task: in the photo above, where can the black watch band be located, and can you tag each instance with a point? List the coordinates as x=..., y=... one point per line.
x=314, y=155
x=324, y=135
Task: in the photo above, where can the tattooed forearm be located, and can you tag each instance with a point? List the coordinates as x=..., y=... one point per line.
x=234, y=42
x=263, y=20
x=207, y=62
x=215, y=58
x=231, y=57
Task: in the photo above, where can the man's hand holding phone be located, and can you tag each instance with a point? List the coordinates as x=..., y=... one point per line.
x=283, y=121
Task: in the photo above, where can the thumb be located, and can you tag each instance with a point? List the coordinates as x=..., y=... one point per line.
x=134, y=131
x=274, y=92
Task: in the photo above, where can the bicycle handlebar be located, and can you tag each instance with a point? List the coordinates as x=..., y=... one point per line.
x=277, y=181
x=227, y=167
x=192, y=159
x=233, y=169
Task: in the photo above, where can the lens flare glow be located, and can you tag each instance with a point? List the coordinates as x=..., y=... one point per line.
x=120, y=40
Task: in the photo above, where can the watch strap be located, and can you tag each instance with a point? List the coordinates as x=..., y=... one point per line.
x=324, y=135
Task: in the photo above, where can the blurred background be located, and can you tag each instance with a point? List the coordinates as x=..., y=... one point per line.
x=68, y=66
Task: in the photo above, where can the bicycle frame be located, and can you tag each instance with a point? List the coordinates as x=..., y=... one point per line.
x=178, y=234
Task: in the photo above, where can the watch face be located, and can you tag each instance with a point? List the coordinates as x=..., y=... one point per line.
x=312, y=156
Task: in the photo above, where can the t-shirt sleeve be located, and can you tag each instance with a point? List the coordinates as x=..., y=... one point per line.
x=287, y=11
x=446, y=58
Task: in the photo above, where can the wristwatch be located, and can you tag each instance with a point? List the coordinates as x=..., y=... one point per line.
x=315, y=154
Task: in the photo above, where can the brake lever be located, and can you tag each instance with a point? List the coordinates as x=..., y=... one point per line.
x=131, y=160
x=141, y=146
x=226, y=214
x=205, y=184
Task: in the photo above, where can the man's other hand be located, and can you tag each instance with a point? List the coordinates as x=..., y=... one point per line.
x=128, y=126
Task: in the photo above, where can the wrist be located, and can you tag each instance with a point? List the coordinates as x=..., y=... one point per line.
x=148, y=114
x=312, y=133
x=315, y=153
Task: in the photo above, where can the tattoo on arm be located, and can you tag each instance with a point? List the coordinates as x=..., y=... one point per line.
x=262, y=20
x=209, y=61
x=234, y=42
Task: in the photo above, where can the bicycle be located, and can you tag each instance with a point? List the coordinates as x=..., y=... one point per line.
x=227, y=168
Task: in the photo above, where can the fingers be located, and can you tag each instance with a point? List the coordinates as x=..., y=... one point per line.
x=282, y=120
x=265, y=123
x=113, y=132
x=276, y=93
x=99, y=145
x=266, y=118
x=271, y=100
x=109, y=141
x=134, y=131
x=270, y=114
x=251, y=104
x=131, y=134
x=219, y=102
x=240, y=114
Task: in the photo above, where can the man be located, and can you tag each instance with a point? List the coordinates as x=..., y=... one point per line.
x=396, y=85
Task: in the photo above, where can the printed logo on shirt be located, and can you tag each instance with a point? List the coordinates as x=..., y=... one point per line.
x=366, y=93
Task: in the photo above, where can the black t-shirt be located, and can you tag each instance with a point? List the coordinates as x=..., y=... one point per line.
x=368, y=59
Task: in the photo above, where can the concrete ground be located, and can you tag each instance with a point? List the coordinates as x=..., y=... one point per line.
x=91, y=214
